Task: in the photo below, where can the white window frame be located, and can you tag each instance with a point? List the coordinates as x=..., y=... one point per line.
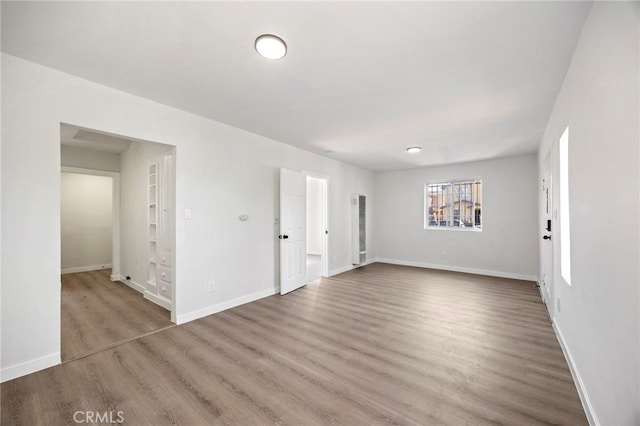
x=565, y=225
x=452, y=182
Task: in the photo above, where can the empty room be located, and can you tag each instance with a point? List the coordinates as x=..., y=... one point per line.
x=353, y=213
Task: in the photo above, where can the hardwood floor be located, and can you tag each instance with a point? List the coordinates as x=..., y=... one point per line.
x=382, y=344
x=314, y=267
x=97, y=313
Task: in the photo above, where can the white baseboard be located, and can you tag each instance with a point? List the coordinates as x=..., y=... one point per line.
x=209, y=310
x=86, y=268
x=577, y=379
x=28, y=367
x=134, y=285
x=165, y=303
x=490, y=273
x=347, y=268
x=337, y=271
x=544, y=303
x=142, y=289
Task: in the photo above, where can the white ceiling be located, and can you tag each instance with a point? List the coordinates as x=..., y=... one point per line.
x=365, y=80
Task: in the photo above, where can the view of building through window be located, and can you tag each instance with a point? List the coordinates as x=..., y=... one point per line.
x=454, y=205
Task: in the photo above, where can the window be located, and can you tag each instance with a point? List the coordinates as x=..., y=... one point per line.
x=565, y=227
x=453, y=205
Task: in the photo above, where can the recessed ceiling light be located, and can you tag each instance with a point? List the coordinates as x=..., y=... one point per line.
x=271, y=46
x=414, y=149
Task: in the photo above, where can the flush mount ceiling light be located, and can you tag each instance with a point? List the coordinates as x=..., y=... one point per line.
x=271, y=46
x=414, y=149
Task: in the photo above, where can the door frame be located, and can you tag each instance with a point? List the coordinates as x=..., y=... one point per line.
x=324, y=270
x=115, y=213
x=547, y=289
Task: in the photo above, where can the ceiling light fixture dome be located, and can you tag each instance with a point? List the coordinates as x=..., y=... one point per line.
x=271, y=46
x=414, y=149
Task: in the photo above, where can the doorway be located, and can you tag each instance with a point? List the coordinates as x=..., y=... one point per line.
x=546, y=248
x=317, y=229
x=89, y=205
x=105, y=257
x=296, y=213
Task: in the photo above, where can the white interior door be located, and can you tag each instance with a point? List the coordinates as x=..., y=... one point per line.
x=547, y=243
x=325, y=228
x=293, y=229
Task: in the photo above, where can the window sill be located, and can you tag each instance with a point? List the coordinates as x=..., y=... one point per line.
x=436, y=228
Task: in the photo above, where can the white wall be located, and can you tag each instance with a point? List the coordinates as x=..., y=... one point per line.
x=85, y=222
x=599, y=321
x=134, y=237
x=505, y=247
x=221, y=172
x=315, y=228
x=89, y=159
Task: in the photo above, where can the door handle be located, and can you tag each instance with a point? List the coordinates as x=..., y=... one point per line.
x=547, y=237
x=283, y=237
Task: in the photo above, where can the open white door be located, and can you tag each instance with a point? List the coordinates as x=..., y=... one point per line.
x=546, y=243
x=293, y=230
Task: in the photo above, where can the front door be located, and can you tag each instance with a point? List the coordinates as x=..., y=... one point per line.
x=293, y=230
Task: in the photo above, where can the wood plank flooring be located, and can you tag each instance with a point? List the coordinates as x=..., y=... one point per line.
x=382, y=344
x=97, y=313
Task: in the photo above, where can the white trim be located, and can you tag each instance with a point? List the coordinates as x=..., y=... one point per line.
x=115, y=208
x=28, y=367
x=453, y=228
x=219, y=307
x=577, y=379
x=86, y=268
x=341, y=270
x=351, y=267
x=546, y=307
x=134, y=285
x=324, y=270
x=165, y=303
x=315, y=175
x=463, y=269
